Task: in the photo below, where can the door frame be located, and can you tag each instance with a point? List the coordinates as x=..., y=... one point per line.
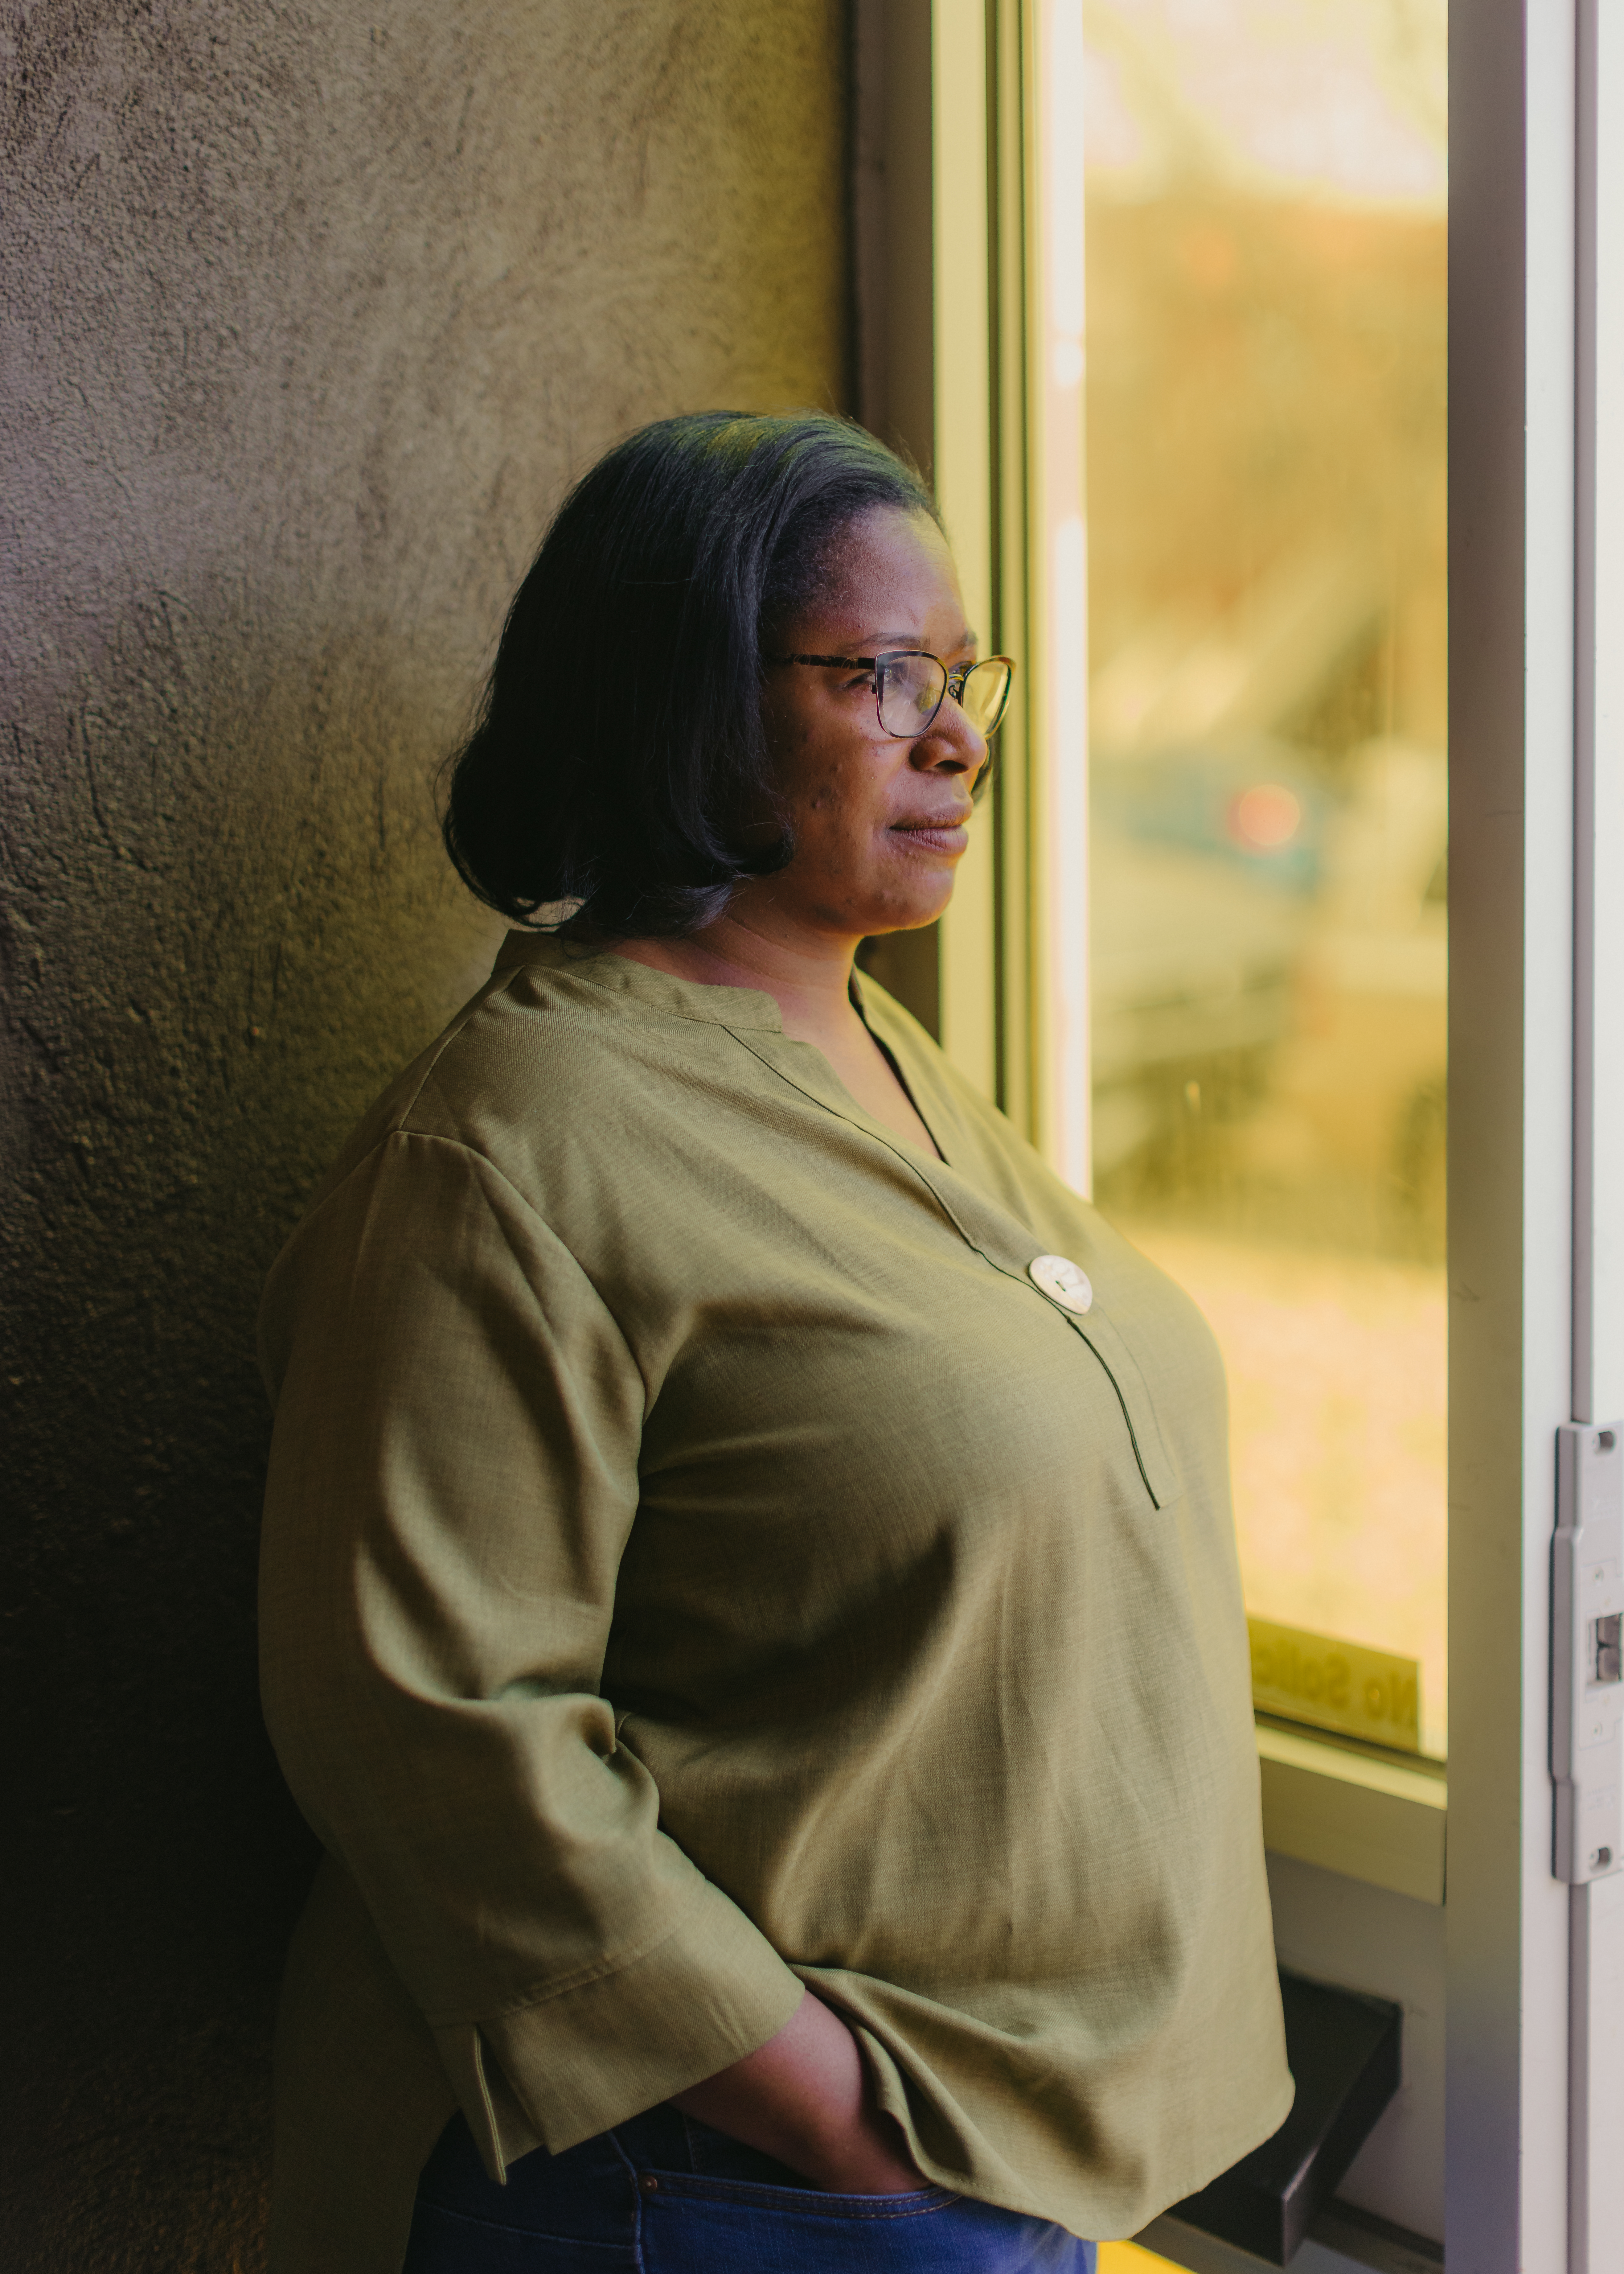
x=1514, y=1232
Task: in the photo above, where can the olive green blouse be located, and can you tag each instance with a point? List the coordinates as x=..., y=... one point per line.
x=701, y=1559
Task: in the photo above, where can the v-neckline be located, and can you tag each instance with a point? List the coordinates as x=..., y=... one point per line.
x=891, y=1060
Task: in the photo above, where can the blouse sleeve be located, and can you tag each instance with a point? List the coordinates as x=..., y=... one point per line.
x=453, y=1477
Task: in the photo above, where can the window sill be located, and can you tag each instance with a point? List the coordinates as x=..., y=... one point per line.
x=1367, y=1816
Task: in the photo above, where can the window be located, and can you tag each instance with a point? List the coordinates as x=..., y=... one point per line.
x=1265, y=418
x=1318, y=125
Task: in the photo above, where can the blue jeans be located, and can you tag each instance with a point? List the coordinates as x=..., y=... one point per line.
x=665, y=2194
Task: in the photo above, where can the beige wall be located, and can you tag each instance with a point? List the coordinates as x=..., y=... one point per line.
x=310, y=315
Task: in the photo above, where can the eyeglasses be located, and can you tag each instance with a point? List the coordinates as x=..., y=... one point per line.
x=911, y=684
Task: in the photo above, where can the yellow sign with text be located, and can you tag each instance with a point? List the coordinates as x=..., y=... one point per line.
x=1335, y=1685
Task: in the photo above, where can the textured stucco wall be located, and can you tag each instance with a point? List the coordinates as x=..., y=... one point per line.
x=308, y=317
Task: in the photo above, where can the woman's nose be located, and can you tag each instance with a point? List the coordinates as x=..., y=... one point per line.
x=951, y=745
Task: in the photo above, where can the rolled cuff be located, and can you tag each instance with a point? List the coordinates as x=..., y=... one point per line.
x=591, y=2056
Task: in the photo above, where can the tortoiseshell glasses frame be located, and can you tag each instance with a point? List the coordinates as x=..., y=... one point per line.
x=911, y=685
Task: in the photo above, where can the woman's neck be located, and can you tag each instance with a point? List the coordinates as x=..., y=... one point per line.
x=809, y=978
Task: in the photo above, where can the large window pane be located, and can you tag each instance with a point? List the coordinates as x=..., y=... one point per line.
x=1266, y=451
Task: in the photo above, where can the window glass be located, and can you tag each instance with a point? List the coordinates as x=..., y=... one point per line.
x=1266, y=477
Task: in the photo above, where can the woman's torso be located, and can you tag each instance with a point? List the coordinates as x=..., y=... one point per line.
x=928, y=1625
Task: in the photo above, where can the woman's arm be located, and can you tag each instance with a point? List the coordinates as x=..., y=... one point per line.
x=804, y=2097
x=453, y=1477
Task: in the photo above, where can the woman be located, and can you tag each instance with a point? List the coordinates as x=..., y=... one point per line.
x=749, y=1600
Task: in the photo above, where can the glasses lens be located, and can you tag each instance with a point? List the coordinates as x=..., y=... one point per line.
x=987, y=692
x=911, y=688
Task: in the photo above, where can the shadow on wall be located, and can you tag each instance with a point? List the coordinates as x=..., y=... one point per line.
x=224, y=950
x=309, y=317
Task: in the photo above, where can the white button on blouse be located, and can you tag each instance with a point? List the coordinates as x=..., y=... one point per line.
x=1064, y=1282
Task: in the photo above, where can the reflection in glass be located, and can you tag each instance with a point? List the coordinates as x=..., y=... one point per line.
x=1265, y=444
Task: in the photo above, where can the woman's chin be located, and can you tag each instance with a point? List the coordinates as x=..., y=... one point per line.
x=908, y=910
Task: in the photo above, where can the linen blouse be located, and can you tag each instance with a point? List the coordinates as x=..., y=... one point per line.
x=700, y=1561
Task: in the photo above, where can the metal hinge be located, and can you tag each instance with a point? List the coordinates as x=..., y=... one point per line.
x=1587, y=1652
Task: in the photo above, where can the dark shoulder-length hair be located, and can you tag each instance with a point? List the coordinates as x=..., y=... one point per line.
x=618, y=753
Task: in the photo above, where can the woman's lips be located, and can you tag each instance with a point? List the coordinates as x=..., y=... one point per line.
x=933, y=836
